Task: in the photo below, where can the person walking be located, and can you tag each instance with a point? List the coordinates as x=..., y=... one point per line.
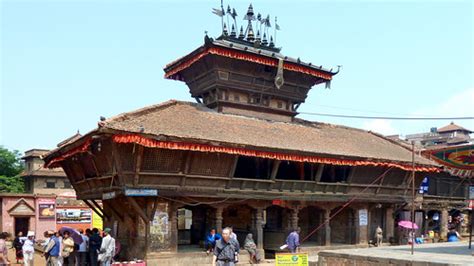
x=293, y=240
x=52, y=250
x=18, y=244
x=107, y=249
x=81, y=255
x=211, y=239
x=95, y=241
x=225, y=250
x=67, y=249
x=4, y=236
x=28, y=249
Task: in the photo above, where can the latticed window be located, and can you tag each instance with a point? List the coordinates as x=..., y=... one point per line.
x=214, y=164
x=161, y=160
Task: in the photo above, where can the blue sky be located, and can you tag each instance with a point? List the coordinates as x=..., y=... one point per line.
x=66, y=63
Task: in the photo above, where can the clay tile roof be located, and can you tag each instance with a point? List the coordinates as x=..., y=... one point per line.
x=195, y=122
x=71, y=139
x=453, y=127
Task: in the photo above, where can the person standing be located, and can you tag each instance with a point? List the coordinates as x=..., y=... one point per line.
x=52, y=250
x=18, y=244
x=95, y=241
x=225, y=250
x=211, y=239
x=251, y=247
x=81, y=255
x=3, y=248
x=28, y=249
x=107, y=249
x=378, y=236
x=67, y=249
x=293, y=240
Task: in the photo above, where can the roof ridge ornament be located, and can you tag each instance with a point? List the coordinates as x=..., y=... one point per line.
x=256, y=34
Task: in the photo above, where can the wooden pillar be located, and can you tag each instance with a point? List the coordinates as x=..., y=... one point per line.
x=259, y=227
x=173, y=221
x=327, y=227
x=443, y=227
x=218, y=219
x=362, y=226
x=389, y=223
x=294, y=219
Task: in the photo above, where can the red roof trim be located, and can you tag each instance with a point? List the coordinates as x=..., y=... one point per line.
x=172, y=74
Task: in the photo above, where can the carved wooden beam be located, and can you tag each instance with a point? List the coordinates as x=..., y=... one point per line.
x=153, y=211
x=138, y=165
x=117, y=163
x=101, y=214
x=319, y=173
x=138, y=209
x=114, y=211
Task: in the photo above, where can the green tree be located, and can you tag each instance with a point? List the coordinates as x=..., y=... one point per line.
x=11, y=167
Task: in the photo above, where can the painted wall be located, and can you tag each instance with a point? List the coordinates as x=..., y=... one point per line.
x=35, y=223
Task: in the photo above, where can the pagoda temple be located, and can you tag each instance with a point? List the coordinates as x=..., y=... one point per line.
x=238, y=156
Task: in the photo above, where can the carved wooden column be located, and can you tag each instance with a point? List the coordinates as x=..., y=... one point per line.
x=259, y=227
x=389, y=223
x=218, y=219
x=327, y=227
x=443, y=227
x=173, y=216
x=294, y=219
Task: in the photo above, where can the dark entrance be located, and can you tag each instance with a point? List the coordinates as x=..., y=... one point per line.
x=22, y=224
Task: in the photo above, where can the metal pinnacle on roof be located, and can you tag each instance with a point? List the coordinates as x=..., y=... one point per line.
x=250, y=34
x=224, y=31
x=271, y=42
x=250, y=15
x=232, y=32
x=241, y=34
x=257, y=39
x=264, y=40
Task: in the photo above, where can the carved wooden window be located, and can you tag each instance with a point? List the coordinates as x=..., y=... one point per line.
x=161, y=160
x=213, y=164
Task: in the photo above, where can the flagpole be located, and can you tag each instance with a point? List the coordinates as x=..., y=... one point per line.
x=222, y=17
x=275, y=30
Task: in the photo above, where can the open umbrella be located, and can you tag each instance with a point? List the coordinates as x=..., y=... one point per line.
x=408, y=225
x=76, y=236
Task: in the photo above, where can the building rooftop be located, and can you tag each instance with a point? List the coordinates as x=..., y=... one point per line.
x=195, y=123
x=453, y=127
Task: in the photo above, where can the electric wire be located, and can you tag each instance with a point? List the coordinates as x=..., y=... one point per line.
x=389, y=117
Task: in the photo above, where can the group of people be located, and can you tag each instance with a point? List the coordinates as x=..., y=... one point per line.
x=226, y=248
x=60, y=249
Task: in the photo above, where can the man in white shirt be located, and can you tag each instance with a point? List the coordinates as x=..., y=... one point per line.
x=81, y=255
x=107, y=249
x=28, y=249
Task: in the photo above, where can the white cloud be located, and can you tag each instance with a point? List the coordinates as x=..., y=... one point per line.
x=381, y=126
x=459, y=104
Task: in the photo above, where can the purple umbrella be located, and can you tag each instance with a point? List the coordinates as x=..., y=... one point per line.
x=408, y=225
x=76, y=236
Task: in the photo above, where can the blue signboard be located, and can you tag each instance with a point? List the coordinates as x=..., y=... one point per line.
x=141, y=192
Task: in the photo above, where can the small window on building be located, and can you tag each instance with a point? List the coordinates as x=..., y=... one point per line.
x=67, y=184
x=236, y=98
x=50, y=184
x=280, y=104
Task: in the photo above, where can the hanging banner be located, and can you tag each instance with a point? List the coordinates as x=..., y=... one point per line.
x=46, y=208
x=290, y=259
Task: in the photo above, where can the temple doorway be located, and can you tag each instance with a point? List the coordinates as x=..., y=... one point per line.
x=276, y=228
x=22, y=224
x=342, y=227
x=193, y=224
